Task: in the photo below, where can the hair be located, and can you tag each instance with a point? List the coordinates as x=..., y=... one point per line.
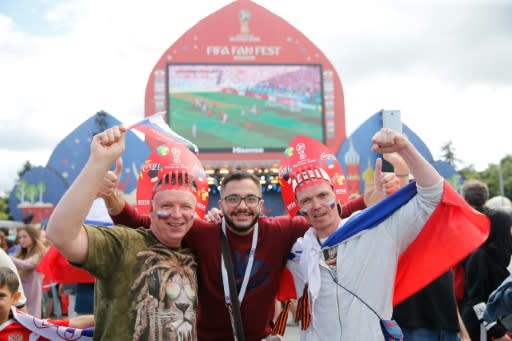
x=5, y=230
x=9, y=278
x=475, y=193
x=4, y=233
x=37, y=248
x=240, y=175
x=499, y=242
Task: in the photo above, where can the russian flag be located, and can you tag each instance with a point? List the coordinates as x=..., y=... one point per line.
x=158, y=132
x=57, y=269
x=451, y=233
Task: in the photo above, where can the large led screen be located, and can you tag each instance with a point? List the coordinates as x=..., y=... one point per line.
x=245, y=108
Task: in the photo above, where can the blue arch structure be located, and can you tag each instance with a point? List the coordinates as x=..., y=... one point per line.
x=71, y=154
x=448, y=172
x=37, y=193
x=67, y=160
x=356, y=156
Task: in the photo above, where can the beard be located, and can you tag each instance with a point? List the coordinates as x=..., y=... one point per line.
x=241, y=228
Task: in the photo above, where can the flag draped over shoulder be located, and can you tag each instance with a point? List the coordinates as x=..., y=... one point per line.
x=372, y=216
x=450, y=234
x=158, y=132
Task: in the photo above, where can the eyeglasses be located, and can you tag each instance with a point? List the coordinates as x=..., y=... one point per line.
x=233, y=200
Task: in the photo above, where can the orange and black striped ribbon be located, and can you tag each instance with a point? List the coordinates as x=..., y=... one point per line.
x=280, y=324
x=303, y=313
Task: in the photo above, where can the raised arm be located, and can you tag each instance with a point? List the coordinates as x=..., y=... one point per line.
x=113, y=197
x=121, y=212
x=28, y=263
x=65, y=227
x=389, y=141
x=130, y=217
x=382, y=184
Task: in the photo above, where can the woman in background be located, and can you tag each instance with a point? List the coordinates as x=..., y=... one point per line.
x=485, y=269
x=26, y=260
x=4, y=233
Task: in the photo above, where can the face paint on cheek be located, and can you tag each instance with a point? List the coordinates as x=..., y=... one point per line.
x=303, y=211
x=332, y=204
x=162, y=215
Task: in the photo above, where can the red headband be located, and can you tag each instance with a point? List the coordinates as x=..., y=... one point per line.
x=308, y=176
x=176, y=180
x=307, y=162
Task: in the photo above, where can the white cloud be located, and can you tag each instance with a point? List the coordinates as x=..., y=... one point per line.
x=444, y=64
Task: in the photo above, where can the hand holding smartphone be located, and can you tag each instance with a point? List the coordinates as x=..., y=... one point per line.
x=391, y=119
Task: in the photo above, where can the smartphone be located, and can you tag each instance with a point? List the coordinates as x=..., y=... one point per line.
x=391, y=119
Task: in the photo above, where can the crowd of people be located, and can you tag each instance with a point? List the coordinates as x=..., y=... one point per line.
x=358, y=267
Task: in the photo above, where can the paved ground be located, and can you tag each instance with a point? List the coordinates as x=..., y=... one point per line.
x=291, y=333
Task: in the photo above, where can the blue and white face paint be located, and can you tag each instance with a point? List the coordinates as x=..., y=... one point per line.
x=164, y=215
x=304, y=211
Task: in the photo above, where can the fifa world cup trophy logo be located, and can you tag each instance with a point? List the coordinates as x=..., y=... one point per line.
x=176, y=155
x=244, y=17
x=301, y=149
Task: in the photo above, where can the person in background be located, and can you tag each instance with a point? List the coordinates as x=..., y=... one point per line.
x=16, y=325
x=6, y=261
x=476, y=194
x=499, y=203
x=51, y=301
x=4, y=233
x=26, y=260
x=499, y=303
x=485, y=270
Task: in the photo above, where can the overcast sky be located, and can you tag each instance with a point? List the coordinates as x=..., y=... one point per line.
x=445, y=64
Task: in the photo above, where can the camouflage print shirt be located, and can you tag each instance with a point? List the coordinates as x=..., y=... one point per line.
x=144, y=290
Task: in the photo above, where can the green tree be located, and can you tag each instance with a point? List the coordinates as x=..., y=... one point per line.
x=21, y=190
x=26, y=167
x=469, y=172
x=506, y=171
x=32, y=193
x=490, y=176
x=506, y=166
x=41, y=188
x=4, y=209
x=448, y=154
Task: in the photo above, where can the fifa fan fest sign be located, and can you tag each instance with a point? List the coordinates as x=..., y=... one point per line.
x=242, y=83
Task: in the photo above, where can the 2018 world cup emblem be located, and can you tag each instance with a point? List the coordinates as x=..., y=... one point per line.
x=176, y=153
x=244, y=17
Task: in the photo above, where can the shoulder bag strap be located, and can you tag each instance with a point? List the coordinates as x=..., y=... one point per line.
x=234, y=307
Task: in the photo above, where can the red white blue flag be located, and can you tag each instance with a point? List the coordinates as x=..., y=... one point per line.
x=43, y=329
x=157, y=132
